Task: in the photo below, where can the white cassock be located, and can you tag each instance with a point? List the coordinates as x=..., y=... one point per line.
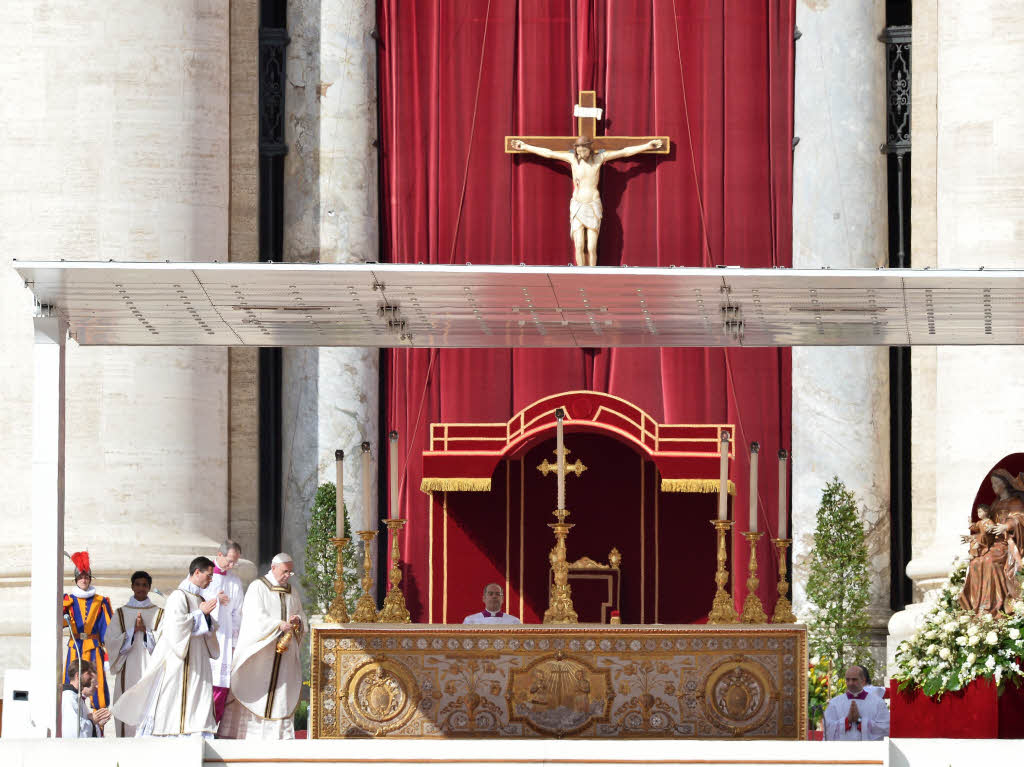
x=229, y=618
x=488, y=617
x=175, y=695
x=129, y=654
x=265, y=684
x=874, y=718
x=71, y=702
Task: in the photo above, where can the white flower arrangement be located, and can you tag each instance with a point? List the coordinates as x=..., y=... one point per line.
x=953, y=646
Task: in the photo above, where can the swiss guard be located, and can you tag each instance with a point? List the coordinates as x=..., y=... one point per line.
x=87, y=614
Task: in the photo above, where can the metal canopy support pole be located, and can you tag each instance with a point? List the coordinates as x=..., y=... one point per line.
x=47, y=520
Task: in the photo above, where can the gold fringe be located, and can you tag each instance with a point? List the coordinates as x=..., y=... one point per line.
x=694, y=486
x=455, y=484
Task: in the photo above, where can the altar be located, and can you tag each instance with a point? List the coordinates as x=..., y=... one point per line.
x=543, y=681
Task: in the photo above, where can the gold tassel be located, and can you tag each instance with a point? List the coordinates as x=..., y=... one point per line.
x=693, y=486
x=455, y=484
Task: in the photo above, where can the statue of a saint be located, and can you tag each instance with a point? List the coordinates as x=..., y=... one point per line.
x=585, y=211
x=998, y=538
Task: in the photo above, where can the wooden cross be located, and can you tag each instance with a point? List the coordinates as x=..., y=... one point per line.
x=587, y=126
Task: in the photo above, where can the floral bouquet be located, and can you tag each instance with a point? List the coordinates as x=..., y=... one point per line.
x=954, y=646
x=819, y=674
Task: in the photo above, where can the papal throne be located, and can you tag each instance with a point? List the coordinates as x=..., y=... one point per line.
x=596, y=587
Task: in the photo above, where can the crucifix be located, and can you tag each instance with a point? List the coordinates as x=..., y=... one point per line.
x=585, y=154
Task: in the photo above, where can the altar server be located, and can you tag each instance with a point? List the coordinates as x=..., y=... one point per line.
x=226, y=588
x=132, y=639
x=88, y=616
x=175, y=696
x=492, y=612
x=77, y=719
x=856, y=714
x=266, y=677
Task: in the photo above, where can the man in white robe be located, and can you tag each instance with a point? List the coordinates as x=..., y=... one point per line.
x=492, y=612
x=175, y=696
x=857, y=714
x=266, y=678
x=226, y=588
x=77, y=718
x=131, y=639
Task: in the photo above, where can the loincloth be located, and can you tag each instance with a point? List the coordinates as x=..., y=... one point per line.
x=584, y=215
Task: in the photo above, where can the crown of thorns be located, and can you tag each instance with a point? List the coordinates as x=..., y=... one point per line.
x=584, y=141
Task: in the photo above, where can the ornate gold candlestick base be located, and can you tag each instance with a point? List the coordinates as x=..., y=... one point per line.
x=722, y=609
x=393, y=610
x=783, y=609
x=753, y=610
x=560, y=609
x=338, y=612
x=366, y=608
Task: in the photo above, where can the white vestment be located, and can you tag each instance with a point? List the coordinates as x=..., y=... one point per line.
x=129, y=654
x=874, y=718
x=175, y=695
x=265, y=684
x=485, y=617
x=228, y=618
x=71, y=702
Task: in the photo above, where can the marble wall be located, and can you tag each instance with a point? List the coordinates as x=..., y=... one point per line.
x=330, y=216
x=841, y=395
x=116, y=146
x=967, y=202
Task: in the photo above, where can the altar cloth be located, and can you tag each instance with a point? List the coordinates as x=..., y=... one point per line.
x=585, y=680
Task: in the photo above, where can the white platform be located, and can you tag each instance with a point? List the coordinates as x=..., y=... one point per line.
x=245, y=304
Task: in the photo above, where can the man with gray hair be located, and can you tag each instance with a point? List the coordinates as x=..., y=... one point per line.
x=266, y=675
x=226, y=588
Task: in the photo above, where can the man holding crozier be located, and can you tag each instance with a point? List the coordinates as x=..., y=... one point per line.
x=266, y=676
x=174, y=698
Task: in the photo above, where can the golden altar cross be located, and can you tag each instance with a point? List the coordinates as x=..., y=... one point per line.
x=587, y=117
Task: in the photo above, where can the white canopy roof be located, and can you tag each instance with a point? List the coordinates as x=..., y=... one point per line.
x=384, y=305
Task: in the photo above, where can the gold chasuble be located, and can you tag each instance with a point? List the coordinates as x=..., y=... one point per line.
x=174, y=697
x=266, y=676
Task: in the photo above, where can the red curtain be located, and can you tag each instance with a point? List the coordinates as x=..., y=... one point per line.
x=716, y=76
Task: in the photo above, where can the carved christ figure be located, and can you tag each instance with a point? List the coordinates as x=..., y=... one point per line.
x=585, y=211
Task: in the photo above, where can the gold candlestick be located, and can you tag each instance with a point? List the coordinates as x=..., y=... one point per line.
x=366, y=607
x=783, y=609
x=753, y=610
x=722, y=609
x=560, y=609
x=338, y=612
x=394, y=610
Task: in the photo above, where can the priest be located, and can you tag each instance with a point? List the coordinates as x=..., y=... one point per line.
x=132, y=639
x=226, y=587
x=857, y=714
x=174, y=697
x=266, y=676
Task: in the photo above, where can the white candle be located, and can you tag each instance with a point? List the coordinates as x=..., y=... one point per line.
x=393, y=439
x=560, y=452
x=339, y=495
x=754, y=448
x=723, y=477
x=367, y=516
x=783, y=516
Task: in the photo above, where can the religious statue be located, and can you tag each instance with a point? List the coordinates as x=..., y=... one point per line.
x=997, y=539
x=585, y=211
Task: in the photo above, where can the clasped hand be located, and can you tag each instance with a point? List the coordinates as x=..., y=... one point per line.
x=208, y=605
x=294, y=622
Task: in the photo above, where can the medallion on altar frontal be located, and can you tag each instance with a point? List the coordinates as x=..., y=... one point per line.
x=532, y=682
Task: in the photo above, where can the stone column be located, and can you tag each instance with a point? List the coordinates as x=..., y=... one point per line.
x=965, y=214
x=330, y=216
x=117, y=149
x=841, y=394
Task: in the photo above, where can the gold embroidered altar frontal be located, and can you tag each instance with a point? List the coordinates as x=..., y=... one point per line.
x=591, y=681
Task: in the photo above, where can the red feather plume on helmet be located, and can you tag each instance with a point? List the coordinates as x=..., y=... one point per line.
x=81, y=560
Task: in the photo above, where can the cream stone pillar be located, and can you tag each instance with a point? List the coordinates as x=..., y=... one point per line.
x=116, y=147
x=841, y=394
x=330, y=216
x=966, y=183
